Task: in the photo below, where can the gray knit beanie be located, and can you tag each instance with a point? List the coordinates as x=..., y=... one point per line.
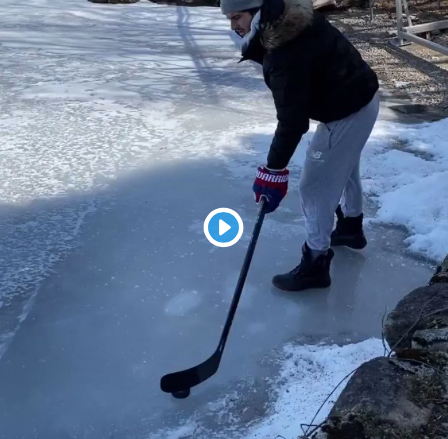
x=228, y=6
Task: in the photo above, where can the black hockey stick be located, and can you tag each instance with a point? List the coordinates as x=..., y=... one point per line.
x=180, y=383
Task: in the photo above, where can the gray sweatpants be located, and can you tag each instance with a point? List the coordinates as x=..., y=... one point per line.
x=331, y=173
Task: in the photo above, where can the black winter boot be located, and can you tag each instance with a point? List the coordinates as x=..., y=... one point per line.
x=348, y=231
x=308, y=274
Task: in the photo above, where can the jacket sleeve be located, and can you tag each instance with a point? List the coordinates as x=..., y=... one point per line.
x=290, y=86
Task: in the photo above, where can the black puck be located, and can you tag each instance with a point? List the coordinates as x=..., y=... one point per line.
x=181, y=394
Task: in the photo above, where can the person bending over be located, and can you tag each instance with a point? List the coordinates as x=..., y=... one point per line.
x=315, y=73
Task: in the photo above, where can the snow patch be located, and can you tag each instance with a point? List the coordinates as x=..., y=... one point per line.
x=401, y=84
x=307, y=377
x=308, y=374
x=405, y=169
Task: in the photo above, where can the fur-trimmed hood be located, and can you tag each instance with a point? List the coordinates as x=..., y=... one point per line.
x=311, y=68
x=277, y=29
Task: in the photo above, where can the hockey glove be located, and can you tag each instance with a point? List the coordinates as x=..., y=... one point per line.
x=273, y=184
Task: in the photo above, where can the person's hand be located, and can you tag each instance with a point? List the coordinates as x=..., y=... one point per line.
x=273, y=184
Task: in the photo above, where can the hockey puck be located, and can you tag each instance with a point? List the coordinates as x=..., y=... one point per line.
x=181, y=394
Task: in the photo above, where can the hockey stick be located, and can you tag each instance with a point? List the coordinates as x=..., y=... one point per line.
x=180, y=383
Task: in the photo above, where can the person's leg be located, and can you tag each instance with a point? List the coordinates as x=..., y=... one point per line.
x=352, y=197
x=331, y=160
x=332, y=168
x=349, y=227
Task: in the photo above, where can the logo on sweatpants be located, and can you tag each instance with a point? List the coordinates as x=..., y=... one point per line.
x=315, y=155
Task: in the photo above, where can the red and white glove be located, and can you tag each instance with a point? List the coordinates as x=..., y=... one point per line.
x=273, y=184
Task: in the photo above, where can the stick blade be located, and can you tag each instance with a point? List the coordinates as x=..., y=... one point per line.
x=188, y=378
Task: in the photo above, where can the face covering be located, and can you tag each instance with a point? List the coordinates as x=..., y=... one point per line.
x=254, y=25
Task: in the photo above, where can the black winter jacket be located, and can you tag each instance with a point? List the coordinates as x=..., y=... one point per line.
x=313, y=71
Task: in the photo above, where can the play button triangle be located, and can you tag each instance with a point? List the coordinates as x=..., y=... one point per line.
x=223, y=227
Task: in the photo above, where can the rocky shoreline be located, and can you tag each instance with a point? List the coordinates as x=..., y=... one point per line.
x=404, y=394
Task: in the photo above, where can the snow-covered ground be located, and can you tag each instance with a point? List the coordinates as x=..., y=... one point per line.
x=121, y=128
x=307, y=377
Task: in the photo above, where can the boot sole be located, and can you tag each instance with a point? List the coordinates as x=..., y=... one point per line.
x=354, y=245
x=303, y=287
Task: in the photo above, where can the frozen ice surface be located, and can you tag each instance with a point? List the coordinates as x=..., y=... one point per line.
x=122, y=127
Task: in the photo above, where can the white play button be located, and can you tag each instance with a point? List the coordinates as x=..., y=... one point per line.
x=223, y=227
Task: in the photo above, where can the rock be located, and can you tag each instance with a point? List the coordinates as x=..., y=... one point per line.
x=385, y=398
x=190, y=3
x=405, y=395
x=409, y=108
x=435, y=322
x=355, y=4
x=441, y=274
x=432, y=339
x=375, y=392
x=430, y=336
x=413, y=18
x=429, y=299
x=114, y=1
x=325, y=4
